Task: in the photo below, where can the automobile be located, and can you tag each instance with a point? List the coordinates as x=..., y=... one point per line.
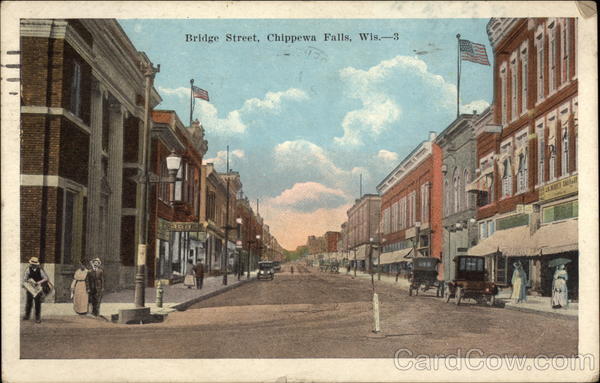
x=277, y=266
x=471, y=281
x=424, y=276
x=265, y=270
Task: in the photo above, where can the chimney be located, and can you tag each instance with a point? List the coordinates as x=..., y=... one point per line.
x=432, y=136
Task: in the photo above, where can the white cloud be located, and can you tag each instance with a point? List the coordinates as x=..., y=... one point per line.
x=387, y=156
x=309, y=196
x=379, y=108
x=478, y=105
x=234, y=123
x=220, y=161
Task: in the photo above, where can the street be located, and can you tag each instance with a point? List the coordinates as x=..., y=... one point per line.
x=308, y=314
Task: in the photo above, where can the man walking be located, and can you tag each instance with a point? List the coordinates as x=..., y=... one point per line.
x=34, y=277
x=96, y=284
x=199, y=270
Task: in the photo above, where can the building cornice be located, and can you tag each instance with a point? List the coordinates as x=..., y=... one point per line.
x=410, y=163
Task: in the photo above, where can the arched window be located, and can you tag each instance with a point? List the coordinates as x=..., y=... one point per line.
x=456, y=198
x=466, y=180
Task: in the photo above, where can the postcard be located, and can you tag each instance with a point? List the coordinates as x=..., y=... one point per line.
x=299, y=191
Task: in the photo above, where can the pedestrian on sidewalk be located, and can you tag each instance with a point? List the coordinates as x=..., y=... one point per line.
x=199, y=271
x=80, y=290
x=190, y=280
x=96, y=282
x=33, y=280
x=519, y=283
x=560, y=294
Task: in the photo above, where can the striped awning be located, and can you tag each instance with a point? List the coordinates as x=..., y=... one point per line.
x=395, y=256
x=557, y=237
x=515, y=241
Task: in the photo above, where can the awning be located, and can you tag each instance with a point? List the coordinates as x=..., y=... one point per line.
x=510, y=242
x=557, y=237
x=395, y=256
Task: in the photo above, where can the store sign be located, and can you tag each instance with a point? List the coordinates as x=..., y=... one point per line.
x=198, y=236
x=186, y=226
x=559, y=188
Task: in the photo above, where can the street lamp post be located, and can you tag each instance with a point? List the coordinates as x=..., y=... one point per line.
x=149, y=74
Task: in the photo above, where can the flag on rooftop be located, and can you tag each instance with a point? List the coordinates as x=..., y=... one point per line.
x=470, y=51
x=199, y=93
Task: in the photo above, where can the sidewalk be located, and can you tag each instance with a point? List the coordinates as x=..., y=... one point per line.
x=533, y=304
x=175, y=297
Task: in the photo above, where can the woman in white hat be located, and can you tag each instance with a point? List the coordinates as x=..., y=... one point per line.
x=37, y=276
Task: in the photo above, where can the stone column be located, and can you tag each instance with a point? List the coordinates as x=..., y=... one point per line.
x=115, y=180
x=94, y=173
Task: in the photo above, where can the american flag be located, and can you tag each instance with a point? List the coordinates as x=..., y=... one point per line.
x=199, y=93
x=473, y=52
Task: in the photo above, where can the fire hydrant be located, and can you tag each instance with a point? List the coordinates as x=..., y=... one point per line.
x=159, y=294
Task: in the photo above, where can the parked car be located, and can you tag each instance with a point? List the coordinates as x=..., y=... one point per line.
x=265, y=270
x=471, y=281
x=277, y=266
x=424, y=276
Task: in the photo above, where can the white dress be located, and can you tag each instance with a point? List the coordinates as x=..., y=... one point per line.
x=560, y=294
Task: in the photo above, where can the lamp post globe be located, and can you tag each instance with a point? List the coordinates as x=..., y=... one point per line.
x=173, y=163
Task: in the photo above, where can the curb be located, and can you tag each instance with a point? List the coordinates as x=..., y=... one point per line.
x=547, y=313
x=184, y=305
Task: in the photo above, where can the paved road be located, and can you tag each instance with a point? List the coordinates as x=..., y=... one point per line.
x=303, y=315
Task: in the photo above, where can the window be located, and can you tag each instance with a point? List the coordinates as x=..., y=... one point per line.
x=503, y=94
x=552, y=56
x=506, y=171
x=76, y=89
x=403, y=213
x=541, y=151
x=552, y=147
x=522, y=159
x=491, y=227
x=486, y=166
x=447, y=199
x=463, y=191
x=539, y=45
x=394, y=217
x=564, y=51
x=575, y=129
x=524, y=77
x=425, y=202
x=455, y=197
x=483, y=230
x=179, y=183
x=564, y=127
x=514, y=113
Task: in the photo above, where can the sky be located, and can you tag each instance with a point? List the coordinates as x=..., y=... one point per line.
x=305, y=119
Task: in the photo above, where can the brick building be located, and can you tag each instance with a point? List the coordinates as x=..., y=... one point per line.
x=316, y=245
x=363, y=224
x=331, y=241
x=82, y=98
x=172, y=243
x=527, y=184
x=411, y=208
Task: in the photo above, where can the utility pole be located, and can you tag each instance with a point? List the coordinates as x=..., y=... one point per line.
x=226, y=226
x=140, y=278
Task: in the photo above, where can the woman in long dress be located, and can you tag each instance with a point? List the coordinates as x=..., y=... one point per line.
x=519, y=284
x=80, y=290
x=190, y=276
x=560, y=296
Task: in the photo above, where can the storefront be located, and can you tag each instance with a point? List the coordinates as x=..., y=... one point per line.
x=396, y=262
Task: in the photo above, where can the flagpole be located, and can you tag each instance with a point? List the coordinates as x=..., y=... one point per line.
x=458, y=75
x=191, y=100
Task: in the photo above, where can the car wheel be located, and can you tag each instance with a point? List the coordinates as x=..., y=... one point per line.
x=459, y=295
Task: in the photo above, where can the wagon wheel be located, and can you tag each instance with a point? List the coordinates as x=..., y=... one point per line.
x=447, y=294
x=459, y=295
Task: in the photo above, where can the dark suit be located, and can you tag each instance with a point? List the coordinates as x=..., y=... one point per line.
x=199, y=271
x=96, y=285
